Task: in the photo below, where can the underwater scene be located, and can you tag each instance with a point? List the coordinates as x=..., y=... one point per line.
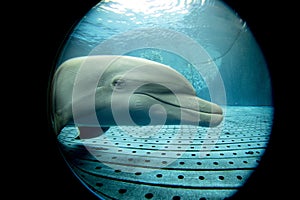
x=162, y=100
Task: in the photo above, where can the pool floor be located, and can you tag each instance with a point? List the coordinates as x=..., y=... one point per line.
x=171, y=162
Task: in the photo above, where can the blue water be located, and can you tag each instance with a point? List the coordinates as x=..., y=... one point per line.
x=124, y=28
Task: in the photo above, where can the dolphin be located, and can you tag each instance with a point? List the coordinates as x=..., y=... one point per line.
x=124, y=90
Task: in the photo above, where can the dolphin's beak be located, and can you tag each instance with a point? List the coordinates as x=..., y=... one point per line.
x=179, y=108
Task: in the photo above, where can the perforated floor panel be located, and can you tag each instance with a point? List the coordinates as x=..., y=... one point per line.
x=171, y=162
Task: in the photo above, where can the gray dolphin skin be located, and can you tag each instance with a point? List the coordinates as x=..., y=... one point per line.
x=125, y=90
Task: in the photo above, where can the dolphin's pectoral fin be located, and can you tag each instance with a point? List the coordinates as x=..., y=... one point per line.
x=85, y=132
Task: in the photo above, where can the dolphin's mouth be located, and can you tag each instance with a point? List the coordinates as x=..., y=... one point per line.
x=158, y=98
x=185, y=108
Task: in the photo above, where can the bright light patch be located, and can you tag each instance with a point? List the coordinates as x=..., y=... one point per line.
x=151, y=6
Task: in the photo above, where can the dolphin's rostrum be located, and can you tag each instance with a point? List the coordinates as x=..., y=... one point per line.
x=103, y=91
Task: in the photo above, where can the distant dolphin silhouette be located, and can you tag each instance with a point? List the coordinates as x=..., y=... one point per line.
x=128, y=88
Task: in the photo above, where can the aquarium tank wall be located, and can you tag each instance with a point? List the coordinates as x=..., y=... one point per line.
x=161, y=100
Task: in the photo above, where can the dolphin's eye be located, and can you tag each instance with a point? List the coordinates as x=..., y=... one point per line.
x=118, y=82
